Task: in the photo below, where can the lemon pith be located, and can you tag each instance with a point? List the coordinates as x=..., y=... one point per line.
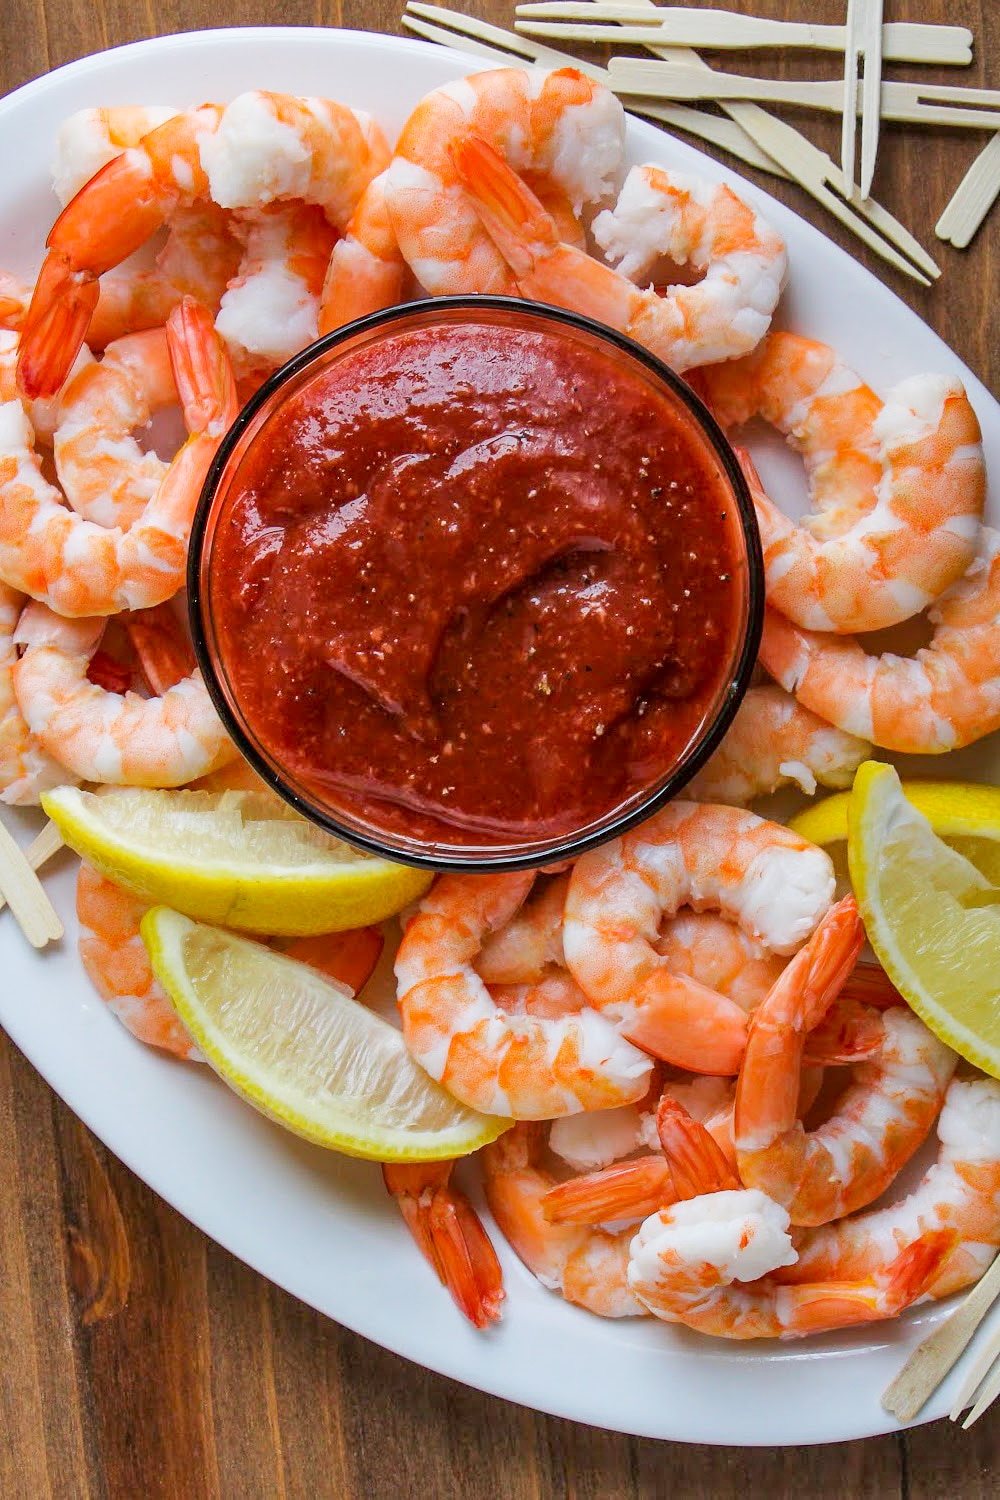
x=239, y=858
x=942, y=954
x=301, y=1051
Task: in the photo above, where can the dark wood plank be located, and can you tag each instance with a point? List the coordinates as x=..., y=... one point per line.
x=137, y=1359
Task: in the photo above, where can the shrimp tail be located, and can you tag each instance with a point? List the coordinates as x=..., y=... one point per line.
x=509, y=211
x=450, y=1236
x=625, y=1190
x=697, y=1162
x=165, y=655
x=850, y=1031
x=202, y=369
x=692, y=1026
x=55, y=326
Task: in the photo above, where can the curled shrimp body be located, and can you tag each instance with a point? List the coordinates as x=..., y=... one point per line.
x=585, y=1265
x=104, y=474
x=774, y=741
x=524, y=1065
x=26, y=769
x=200, y=255
x=116, y=961
x=706, y=1263
x=758, y=874
x=269, y=311
x=269, y=147
x=123, y=740
x=723, y=315
x=882, y=1118
x=959, y=1191
x=897, y=486
x=367, y=270
x=559, y=128
x=946, y=695
x=79, y=568
x=14, y=299
x=109, y=218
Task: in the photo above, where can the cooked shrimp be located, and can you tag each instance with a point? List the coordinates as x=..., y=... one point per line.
x=449, y=1234
x=706, y=1263
x=531, y=1067
x=960, y=1191
x=14, y=299
x=367, y=270
x=105, y=736
x=26, y=770
x=104, y=474
x=270, y=310
x=82, y=569
x=116, y=961
x=774, y=741
x=882, y=1118
x=897, y=487
x=88, y=139
x=110, y=217
x=44, y=413
x=558, y=127
x=585, y=1265
x=945, y=696
x=269, y=148
x=764, y=877
x=689, y=219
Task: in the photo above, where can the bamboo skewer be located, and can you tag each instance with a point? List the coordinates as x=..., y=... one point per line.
x=912, y=103
x=864, y=42
x=932, y=1359
x=24, y=894
x=788, y=152
x=723, y=30
x=973, y=198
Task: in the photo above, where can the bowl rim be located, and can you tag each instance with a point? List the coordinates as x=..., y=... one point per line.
x=567, y=846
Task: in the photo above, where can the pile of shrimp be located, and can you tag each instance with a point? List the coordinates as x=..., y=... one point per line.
x=710, y=1094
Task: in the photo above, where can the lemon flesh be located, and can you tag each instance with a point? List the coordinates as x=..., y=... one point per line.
x=301, y=1051
x=966, y=814
x=918, y=898
x=241, y=858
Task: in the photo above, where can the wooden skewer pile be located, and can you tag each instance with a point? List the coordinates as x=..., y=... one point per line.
x=675, y=82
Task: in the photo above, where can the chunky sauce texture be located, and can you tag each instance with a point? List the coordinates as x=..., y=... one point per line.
x=478, y=584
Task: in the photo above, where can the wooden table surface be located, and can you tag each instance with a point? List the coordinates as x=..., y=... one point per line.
x=137, y=1358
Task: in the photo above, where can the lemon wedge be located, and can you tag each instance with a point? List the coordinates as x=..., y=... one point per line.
x=241, y=858
x=929, y=916
x=966, y=814
x=300, y=1050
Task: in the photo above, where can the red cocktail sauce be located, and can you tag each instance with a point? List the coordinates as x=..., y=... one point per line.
x=479, y=583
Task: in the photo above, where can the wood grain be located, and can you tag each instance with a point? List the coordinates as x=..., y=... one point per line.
x=137, y=1358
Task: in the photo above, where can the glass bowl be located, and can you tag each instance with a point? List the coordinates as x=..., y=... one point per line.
x=376, y=823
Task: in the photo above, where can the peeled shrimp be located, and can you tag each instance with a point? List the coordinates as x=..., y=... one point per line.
x=450, y=1236
x=110, y=217
x=14, y=299
x=658, y=213
x=79, y=568
x=559, y=127
x=105, y=475
x=897, y=487
x=270, y=310
x=960, y=1191
x=764, y=877
x=774, y=741
x=88, y=139
x=528, y=1066
x=116, y=961
x=585, y=1265
x=880, y=1121
x=124, y=740
x=705, y=1262
x=366, y=271
x=26, y=769
x=945, y=696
